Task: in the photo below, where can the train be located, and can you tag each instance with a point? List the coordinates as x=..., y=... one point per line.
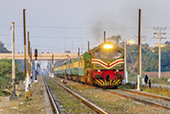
x=101, y=66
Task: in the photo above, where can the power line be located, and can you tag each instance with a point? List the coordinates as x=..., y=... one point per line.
x=59, y=27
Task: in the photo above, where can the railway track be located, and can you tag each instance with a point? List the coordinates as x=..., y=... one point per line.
x=85, y=101
x=113, y=103
x=151, y=99
x=51, y=97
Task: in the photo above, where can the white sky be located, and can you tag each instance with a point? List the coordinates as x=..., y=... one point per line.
x=56, y=25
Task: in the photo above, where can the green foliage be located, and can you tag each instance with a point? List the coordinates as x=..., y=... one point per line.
x=132, y=77
x=4, y=82
x=6, y=73
x=5, y=66
x=162, y=80
x=20, y=76
x=150, y=58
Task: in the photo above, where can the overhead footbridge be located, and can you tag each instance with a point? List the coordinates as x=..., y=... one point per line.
x=41, y=56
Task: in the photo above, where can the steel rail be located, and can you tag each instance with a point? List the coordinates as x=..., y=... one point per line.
x=54, y=105
x=140, y=100
x=146, y=94
x=91, y=105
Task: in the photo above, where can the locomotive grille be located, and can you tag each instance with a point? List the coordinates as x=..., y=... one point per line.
x=101, y=82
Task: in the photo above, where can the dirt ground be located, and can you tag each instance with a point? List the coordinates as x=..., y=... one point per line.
x=35, y=104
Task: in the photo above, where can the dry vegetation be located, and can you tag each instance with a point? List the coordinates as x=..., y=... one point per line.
x=112, y=103
x=33, y=105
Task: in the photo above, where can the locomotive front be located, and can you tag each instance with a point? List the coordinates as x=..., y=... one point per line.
x=107, y=65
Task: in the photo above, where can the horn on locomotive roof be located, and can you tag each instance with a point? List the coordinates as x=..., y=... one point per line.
x=104, y=36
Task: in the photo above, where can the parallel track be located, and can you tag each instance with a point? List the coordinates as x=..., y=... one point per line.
x=50, y=95
x=143, y=100
x=146, y=94
x=85, y=101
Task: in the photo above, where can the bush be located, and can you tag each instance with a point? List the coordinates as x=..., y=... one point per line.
x=20, y=76
x=132, y=77
x=162, y=80
x=5, y=82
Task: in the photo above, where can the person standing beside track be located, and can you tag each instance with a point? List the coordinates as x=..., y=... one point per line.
x=146, y=79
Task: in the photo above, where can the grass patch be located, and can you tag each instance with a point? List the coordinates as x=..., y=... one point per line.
x=162, y=81
x=157, y=90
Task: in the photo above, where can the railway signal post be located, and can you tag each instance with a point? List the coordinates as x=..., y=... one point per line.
x=36, y=51
x=13, y=98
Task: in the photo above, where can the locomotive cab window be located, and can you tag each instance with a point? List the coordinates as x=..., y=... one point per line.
x=114, y=54
x=101, y=54
x=105, y=54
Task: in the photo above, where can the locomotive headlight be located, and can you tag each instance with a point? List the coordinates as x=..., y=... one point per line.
x=108, y=46
x=119, y=65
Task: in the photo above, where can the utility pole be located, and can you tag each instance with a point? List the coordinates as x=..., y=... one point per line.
x=125, y=61
x=25, y=55
x=53, y=66
x=104, y=36
x=78, y=51
x=139, y=50
x=13, y=98
x=141, y=57
x=29, y=64
x=88, y=46
x=31, y=58
x=158, y=28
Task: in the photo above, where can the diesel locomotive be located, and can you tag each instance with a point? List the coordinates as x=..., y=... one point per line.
x=102, y=66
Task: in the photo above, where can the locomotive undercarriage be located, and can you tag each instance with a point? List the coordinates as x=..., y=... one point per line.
x=93, y=81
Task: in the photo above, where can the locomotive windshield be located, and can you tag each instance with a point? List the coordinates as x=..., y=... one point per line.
x=108, y=54
x=101, y=54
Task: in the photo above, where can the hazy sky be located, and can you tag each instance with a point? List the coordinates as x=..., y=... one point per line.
x=56, y=25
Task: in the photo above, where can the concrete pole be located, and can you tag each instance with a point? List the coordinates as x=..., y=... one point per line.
x=29, y=74
x=125, y=62
x=78, y=51
x=140, y=61
x=25, y=56
x=13, y=98
x=139, y=48
x=159, y=52
x=53, y=66
x=31, y=58
x=13, y=58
